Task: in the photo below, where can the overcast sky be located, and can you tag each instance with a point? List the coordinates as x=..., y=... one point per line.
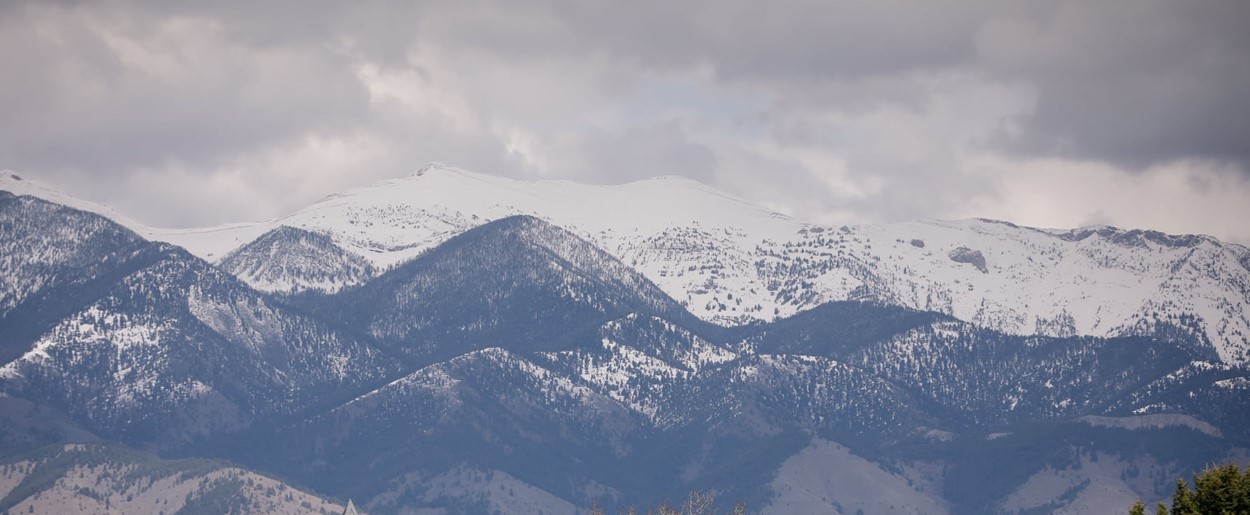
x=1133, y=113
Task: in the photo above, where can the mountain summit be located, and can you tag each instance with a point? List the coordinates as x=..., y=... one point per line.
x=458, y=342
x=732, y=263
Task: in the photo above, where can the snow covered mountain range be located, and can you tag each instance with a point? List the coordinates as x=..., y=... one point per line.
x=731, y=263
x=471, y=343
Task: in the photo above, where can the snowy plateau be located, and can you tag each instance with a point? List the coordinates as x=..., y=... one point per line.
x=454, y=342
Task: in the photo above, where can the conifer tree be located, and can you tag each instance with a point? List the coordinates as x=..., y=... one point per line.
x=1183, y=502
x=1222, y=490
x=1219, y=491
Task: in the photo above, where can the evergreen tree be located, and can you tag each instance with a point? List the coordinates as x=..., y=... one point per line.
x=1183, y=502
x=1217, y=491
x=1222, y=490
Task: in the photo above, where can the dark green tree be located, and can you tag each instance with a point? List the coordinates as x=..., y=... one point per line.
x=1223, y=490
x=1216, y=491
x=1183, y=501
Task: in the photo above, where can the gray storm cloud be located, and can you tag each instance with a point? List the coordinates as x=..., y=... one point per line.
x=189, y=113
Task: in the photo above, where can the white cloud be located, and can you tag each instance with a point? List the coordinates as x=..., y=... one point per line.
x=1191, y=197
x=198, y=113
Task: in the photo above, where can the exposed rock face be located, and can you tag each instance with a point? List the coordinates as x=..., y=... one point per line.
x=969, y=256
x=1135, y=237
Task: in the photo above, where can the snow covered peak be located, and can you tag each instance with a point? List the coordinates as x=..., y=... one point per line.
x=11, y=182
x=291, y=260
x=210, y=243
x=393, y=220
x=732, y=262
x=1112, y=234
x=435, y=167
